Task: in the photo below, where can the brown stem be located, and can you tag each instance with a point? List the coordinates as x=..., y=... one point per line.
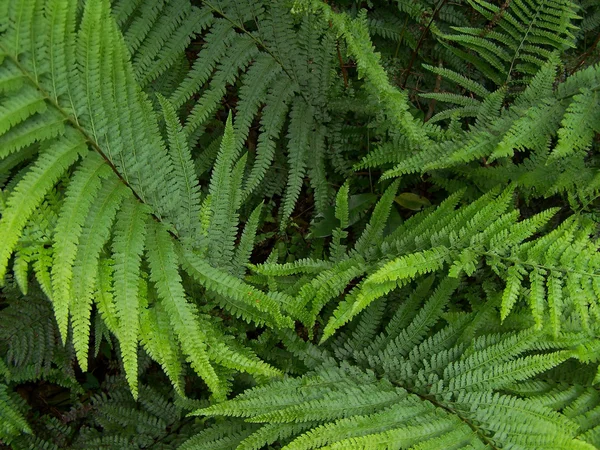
x=433, y=101
x=344, y=71
x=584, y=56
x=420, y=42
x=339, y=54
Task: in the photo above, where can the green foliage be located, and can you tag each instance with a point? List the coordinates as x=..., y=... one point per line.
x=482, y=239
x=311, y=224
x=283, y=65
x=551, y=127
x=13, y=422
x=99, y=103
x=519, y=37
x=451, y=388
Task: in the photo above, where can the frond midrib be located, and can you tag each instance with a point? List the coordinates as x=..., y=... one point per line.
x=431, y=399
x=523, y=39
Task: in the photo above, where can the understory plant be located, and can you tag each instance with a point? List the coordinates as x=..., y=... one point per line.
x=299, y=224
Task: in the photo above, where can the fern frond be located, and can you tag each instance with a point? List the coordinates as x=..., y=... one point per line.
x=299, y=131
x=255, y=84
x=29, y=338
x=272, y=121
x=524, y=36
x=338, y=249
x=13, y=422
x=579, y=124
x=217, y=39
x=31, y=189
x=459, y=79
x=250, y=303
x=128, y=246
x=223, y=222
x=184, y=174
x=374, y=228
x=159, y=34
x=164, y=273
x=244, y=248
x=220, y=437
x=357, y=38
x=135, y=139
x=242, y=52
x=80, y=195
x=486, y=231
x=82, y=148
x=162, y=347
x=89, y=271
x=345, y=405
x=227, y=352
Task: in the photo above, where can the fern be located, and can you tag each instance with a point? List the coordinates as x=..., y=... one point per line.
x=539, y=116
x=13, y=422
x=113, y=180
x=561, y=263
x=520, y=37
x=128, y=244
x=315, y=224
x=265, y=61
x=31, y=350
x=428, y=392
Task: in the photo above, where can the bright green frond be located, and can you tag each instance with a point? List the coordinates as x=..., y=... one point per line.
x=127, y=248
x=164, y=274
x=250, y=300
x=80, y=196
x=30, y=191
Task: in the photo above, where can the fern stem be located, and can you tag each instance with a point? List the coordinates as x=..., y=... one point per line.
x=342, y=66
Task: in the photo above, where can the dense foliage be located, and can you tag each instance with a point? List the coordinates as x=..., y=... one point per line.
x=299, y=224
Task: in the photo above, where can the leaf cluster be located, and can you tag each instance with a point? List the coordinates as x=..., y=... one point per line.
x=299, y=224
